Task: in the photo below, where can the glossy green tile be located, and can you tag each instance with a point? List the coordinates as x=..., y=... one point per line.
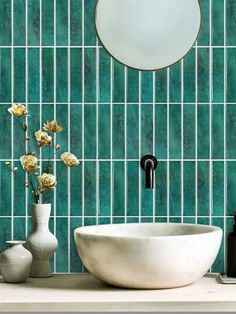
x=104, y=76
x=231, y=22
x=76, y=130
x=75, y=23
x=62, y=111
x=218, y=75
x=132, y=219
x=189, y=142
x=118, y=189
x=203, y=220
x=161, y=86
x=76, y=191
x=217, y=131
x=62, y=22
x=33, y=75
x=19, y=191
x=146, y=198
x=218, y=22
x=19, y=23
x=218, y=188
x=47, y=75
x=19, y=228
x=104, y=220
x=88, y=221
x=231, y=185
x=175, y=83
x=5, y=232
x=203, y=38
x=147, y=143
x=175, y=131
x=90, y=188
x=5, y=26
x=48, y=23
x=132, y=86
x=104, y=188
x=203, y=189
x=175, y=220
x=90, y=75
x=132, y=131
x=189, y=63
x=161, y=189
x=62, y=250
x=231, y=72
x=33, y=22
x=231, y=129
x=48, y=196
x=5, y=70
x=161, y=131
x=104, y=131
x=146, y=219
x=218, y=265
x=160, y=220
x=61, y=190
x=132, y=188
x=118, y=82
x=5, y=199
x=203, y=147
x=89, y=29
x=189, y=220
x=118, y=220
x=76, y=75
x=48, y=114
x=5, y=120
x=147, y=87
x=90, y=131
x=203, y=75
x=118, y=131
x=75, y=261
x=189, y=188
x=175, y=189
x=19, y=147
x=19, y=73
x=62, y=75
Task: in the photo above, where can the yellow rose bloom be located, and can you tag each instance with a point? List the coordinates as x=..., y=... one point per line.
x=47, y=181
x=52, y=126
x=18, y=110
x=69, y=159
x=29, y=163
x=43, y=138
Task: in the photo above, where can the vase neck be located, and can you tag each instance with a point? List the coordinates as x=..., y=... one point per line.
x=15, y=243
x=40, y=216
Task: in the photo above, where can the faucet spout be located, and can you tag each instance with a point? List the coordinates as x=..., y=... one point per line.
x=149, y=164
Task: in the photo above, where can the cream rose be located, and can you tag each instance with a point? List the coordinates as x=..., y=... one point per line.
x=29, y=163
x=69, y=159
x=18, y=110
x=43, y=138
x=47, y=181
x=52, y=126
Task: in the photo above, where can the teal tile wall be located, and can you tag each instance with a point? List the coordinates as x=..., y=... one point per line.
x=51, y=61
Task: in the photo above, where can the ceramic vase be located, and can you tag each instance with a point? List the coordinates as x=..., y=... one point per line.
x=42, y=243
x=15, y=262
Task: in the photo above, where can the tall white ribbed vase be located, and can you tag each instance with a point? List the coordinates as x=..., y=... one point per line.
x=41, y=243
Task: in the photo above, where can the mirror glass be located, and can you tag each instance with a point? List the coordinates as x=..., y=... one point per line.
x=147, y=34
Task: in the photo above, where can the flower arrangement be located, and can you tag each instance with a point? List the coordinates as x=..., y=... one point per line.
x=43, y=182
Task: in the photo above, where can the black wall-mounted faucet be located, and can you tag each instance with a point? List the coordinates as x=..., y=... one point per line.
x=149, y=164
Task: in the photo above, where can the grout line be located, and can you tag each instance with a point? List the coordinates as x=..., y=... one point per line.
x=196, y=134
x=26, y=118
x=154, y=141
x=210, y=114
x=139, y=145
x=182, y=141
x=125, y=143
x=40, y=83
x=111, y=141
x=97, y=134
x=168, y=147
x=12, y=119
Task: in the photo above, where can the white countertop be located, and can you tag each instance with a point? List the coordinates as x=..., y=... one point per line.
x=81, y=293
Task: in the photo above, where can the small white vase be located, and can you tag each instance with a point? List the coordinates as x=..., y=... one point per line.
x=15, y=262
x=42, y=243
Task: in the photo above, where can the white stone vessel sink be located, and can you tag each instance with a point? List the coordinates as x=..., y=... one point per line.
x=148, y=255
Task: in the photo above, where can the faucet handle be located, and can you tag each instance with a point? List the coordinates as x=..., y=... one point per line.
x=146, y=158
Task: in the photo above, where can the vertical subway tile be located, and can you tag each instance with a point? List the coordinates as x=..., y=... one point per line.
x=203, y=188
x=19, y=137
x=62, y=118
x=5, y=71
x=231, y=22
x=189, y=77
x=90, y=188
x=161, y=130
x=104, y=188
x=76, y=129
x=174, y=188
x=33, y=22
x=231, y=131
x=90, y=75
x=5, y=26
x=118, y=131
x=118, y=82
x=161, y=189
x=75, y=23
x=147, y=86
x=62, y=22
x=5, y=232
x=217, y=131
x=218, y=75
x=5, y=128
x=5, y=195
x=118, y=186
x=19, y=228
x=203, y=75
x=161, y=86
x=104, y=131
x=33, y=125
x=48, y=22
x=203, y=38
x=104, y=76
x=175, y=131
x=89, y=29
x=33, y=75
x=231, y=73
x=76, y=191
x=218, y=265
x=19, y=191
x=75, y=75
x=132, y=86
x=19, y=75
x=218, y=22
x=147, y=129
x=62, y=75
x=90, y=131
x=218, y=188
x=132, y=131
x=189, y=188
x=175, y=83
x=231, y=186
x=146, y=198
x=203, y=131
x=189, y=142
x=19, y=23
x=61, y=190
x=132, y=188
x=75, y=261
x=47, y=75
x=62, y=250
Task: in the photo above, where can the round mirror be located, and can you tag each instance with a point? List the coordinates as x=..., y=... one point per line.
x=147, y=34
